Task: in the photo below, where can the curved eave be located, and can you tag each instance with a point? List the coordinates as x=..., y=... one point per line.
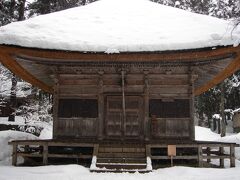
x=7, y=54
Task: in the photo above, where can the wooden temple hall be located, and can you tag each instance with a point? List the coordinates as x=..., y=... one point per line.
x=130, y=107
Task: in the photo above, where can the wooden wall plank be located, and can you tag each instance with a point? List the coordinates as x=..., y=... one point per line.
x=77, y=127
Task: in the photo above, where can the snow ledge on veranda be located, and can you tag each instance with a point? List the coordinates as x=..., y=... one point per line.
x=122, y=25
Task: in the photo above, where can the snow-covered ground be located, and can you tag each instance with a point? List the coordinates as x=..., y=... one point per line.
x=72, y=172
x=76, y=172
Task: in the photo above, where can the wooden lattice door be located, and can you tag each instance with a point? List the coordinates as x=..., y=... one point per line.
x=119, y=126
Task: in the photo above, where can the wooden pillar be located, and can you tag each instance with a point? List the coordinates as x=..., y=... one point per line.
x=55, y=106
x=14, y=154
x=232, y=155
x=148, y=150
x=123, y=124
x=146, y=106
x=221, y=159
x=100, y=106
x=208, y=154
x=45, y=154
x=200, y=158
x=95, y=150
x=191, y=102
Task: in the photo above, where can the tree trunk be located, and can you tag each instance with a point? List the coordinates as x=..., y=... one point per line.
x=13, y=98
x=201, y=119
x=21, y=10
x=83, y=2
x=223, y=121
x=12, y=7
x=45, y=7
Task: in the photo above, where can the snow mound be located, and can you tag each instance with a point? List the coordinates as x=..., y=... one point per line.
x=5, y=149
x=47, y=132
x=126, y=25
x=205, y=134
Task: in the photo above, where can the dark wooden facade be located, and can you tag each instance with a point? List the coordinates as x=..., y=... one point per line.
x=124, y=107
x=127, y=102
x=128, y=96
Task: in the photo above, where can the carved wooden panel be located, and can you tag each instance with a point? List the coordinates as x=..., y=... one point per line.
x=134, y=119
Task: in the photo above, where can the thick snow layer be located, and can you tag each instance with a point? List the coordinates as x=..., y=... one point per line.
x=205, y=134
x=47, y=131
x=76, y=172
x=118, y=26
x=5, y=149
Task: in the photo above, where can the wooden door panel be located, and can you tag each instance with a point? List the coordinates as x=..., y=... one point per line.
x=116, y=126
x=132, y=123
x=114, y=123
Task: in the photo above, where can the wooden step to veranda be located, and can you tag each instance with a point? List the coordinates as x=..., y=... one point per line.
x=120, y=158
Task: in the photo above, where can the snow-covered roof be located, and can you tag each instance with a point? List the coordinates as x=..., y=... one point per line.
x=120, y=26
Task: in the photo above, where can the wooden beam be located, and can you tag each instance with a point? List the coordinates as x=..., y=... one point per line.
x=45, y=154
x=200, y=156
x=221, y=151
x=123, y=126
x=55, y=106
x=232, y=156
x=100, y=106
x=17, y=69
x=8, y=53
x=191, y=99
x=146, y=107
x=59, y=55
x=228, y=71
x=14, y=154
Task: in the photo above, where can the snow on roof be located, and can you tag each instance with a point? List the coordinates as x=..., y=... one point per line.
x=236, y=111
x=114, y=26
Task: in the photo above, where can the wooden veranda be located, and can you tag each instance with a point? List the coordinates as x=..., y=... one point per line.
x=123, y=156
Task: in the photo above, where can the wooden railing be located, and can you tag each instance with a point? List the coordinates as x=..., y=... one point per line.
x=206, y=151
x=40, y=149
x=202, y=152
